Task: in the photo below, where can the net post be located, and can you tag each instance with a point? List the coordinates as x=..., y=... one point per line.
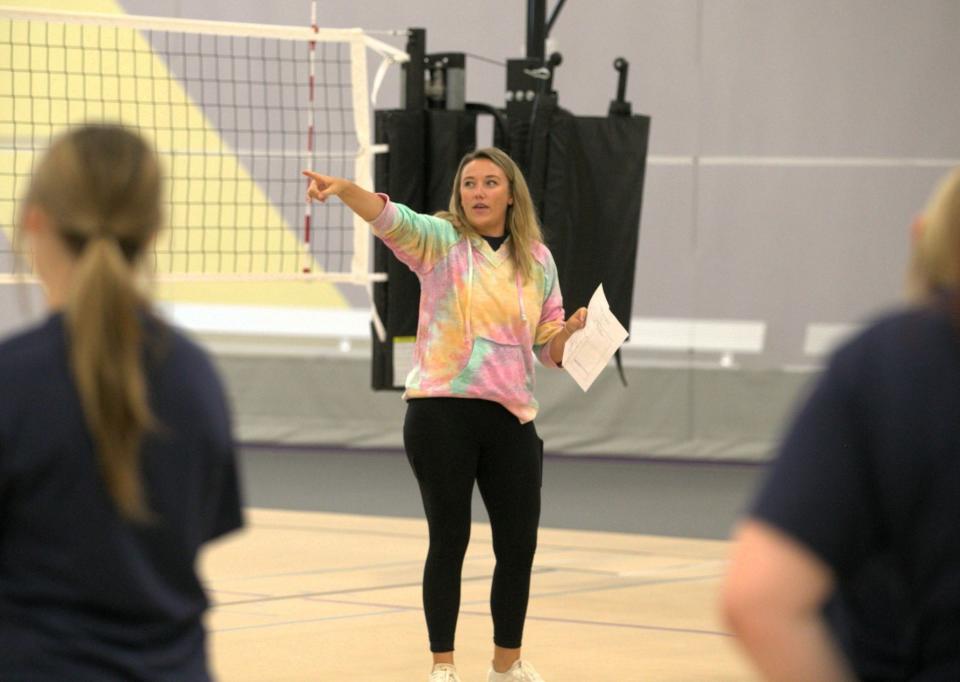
x=536, y=29
x=414, y=96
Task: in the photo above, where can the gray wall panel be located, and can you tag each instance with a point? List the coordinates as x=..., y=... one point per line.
x=665, y=283
x=803, y=245
x=827, y=78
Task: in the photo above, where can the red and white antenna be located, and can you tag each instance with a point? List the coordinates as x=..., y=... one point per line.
x=311, y=86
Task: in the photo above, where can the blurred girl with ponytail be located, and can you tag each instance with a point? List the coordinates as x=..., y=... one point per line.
x=847, y=566
x=116, y=455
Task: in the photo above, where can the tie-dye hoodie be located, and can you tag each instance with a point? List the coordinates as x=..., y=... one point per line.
x=480, y=325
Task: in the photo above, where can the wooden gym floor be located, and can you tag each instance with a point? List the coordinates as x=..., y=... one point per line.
x=318, y=596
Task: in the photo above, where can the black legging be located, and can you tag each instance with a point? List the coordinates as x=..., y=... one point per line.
x=452, y=442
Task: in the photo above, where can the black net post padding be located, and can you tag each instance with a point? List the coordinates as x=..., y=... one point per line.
x=418, y=171
x=500, y=126
x=401, y=174
x=538, y=147
x=523, y=90
x=592, y=197
x=450, y=136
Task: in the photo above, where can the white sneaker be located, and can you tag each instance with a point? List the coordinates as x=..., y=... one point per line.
x=521, y=671
x=444, y=672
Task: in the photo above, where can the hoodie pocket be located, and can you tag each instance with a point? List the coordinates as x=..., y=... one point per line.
x=503, y=370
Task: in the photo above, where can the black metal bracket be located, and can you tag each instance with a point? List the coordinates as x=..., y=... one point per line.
x=446, y=80
x=620, y=106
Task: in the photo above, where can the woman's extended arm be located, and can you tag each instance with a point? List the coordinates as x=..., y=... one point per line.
x=365, y=204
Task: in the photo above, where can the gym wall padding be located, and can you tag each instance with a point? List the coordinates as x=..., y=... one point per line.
x=663, y=412
x=591, y=205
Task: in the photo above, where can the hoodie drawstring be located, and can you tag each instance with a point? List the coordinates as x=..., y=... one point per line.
x=523, y=310
x=468, y=325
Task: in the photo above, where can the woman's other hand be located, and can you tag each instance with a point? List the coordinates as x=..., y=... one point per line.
x=576, y=321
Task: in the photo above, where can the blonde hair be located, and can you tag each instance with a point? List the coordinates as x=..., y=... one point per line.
x=935, y=262
x=100, y=186
x=521, y=219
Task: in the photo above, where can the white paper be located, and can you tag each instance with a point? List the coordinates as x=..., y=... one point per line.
x=589, y=349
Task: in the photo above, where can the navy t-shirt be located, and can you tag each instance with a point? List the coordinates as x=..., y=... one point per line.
x=868, y=478
x=84, y=594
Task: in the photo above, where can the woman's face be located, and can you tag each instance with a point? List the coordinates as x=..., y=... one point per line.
x=485, y=195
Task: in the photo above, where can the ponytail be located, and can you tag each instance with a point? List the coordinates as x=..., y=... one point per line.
x=103, y=321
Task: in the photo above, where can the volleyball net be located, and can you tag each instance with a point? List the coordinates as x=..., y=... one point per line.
x=235, y=111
